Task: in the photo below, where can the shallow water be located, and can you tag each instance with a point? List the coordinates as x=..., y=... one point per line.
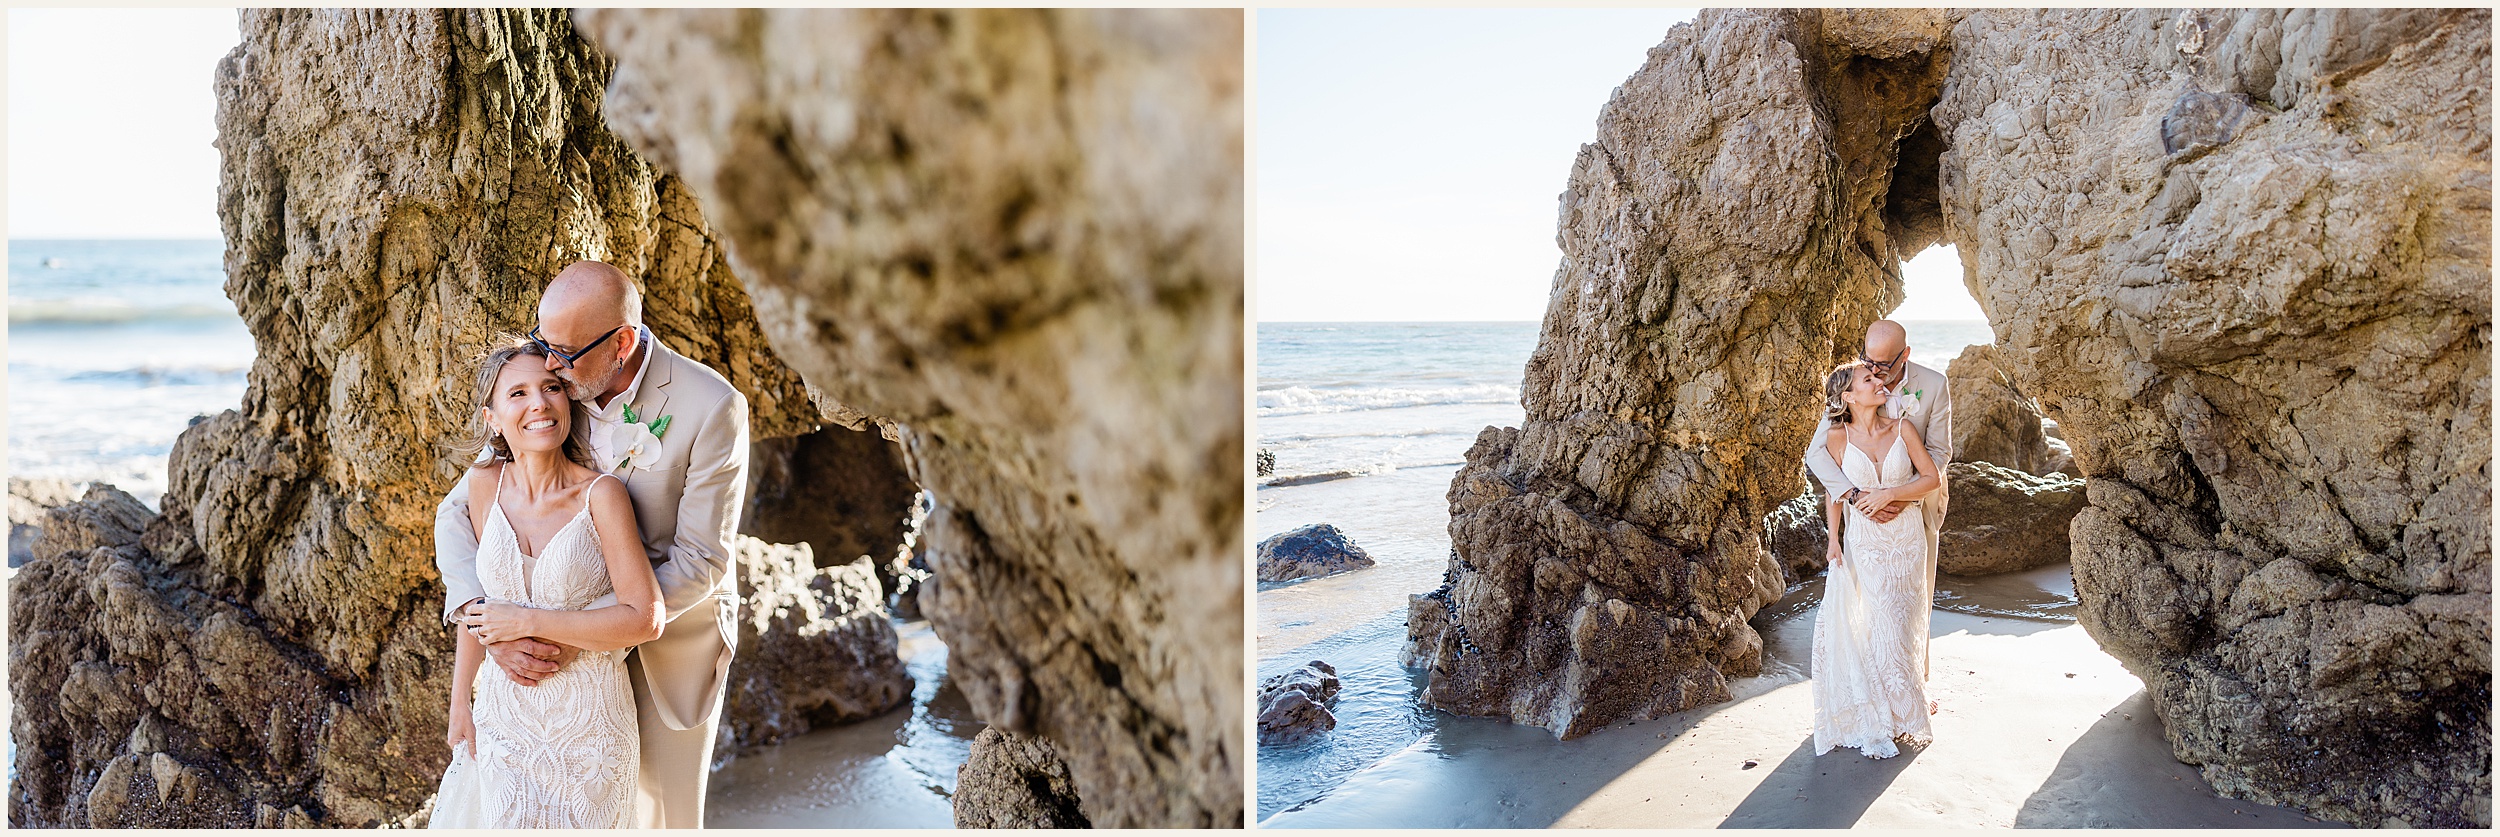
x=896, y=770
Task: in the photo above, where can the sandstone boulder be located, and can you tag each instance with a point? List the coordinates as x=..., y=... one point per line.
x=1015, y=781
x=104, y=516
x=1017, y=235
x=2003, y=520
x=1726, y=236
x=840, y=491
x=2267, y=342
x=1293, y=706
x=1992, y=421
x=815, y=648
x=1310, y=552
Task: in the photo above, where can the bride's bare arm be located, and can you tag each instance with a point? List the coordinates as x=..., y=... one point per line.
x=633, y=620
x=469, y=657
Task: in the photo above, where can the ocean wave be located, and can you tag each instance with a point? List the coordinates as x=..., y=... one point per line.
x=1297, y=400
x=162, y=376
x=104, y=311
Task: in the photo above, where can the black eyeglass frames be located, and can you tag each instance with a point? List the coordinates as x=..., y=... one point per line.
x=569, y=357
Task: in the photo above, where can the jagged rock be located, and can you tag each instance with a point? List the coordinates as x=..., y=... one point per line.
x=1992, y=421
x=29, y=499
x=1310, y=552
x=1017, y=235
x=105, y=516
x=815, y=647
x=1015, y=781
x=1726, y=238
x=2271, y=346
x=2061, y=459
x=2270, y=354
x=1798, y=537
x=1267, y=462
x=838, y=490
x=2003, y=520
x=1293, y=706
x=396, y=185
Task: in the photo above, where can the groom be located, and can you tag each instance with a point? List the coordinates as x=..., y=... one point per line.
x=686, y=501
x=1918, y=395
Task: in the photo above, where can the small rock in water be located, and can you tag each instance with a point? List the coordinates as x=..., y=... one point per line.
x=1293, y=706
x=1309, y=552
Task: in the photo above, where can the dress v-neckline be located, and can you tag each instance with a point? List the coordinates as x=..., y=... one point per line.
x=1878, y=463
x=529, y=563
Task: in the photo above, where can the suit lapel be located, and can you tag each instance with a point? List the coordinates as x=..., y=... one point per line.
x=651, y=402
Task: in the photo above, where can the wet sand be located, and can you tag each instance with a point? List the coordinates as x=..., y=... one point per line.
x=896, y=770
x=2038, y=728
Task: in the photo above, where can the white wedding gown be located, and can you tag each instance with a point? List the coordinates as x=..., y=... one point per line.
x=1870, y=636
x=564, y=753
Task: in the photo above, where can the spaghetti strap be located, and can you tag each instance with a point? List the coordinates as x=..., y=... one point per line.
x=497, y=500
x=593, y=482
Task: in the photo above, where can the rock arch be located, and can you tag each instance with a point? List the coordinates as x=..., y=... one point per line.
x=2243, y=257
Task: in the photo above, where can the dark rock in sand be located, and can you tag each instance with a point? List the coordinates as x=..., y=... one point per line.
x=1267, y=462
x=29, y=499
x=841, y=491
x=1293, y=706
x=815, y=647
x=1798, y=537
x=1310, y=552
x=2003, y=520
x=1016, y=781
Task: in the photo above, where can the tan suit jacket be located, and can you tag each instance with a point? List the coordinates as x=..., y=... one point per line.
x=686, y=506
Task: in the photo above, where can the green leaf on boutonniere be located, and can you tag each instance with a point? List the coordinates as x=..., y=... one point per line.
x=629, y=414
x=660, y=427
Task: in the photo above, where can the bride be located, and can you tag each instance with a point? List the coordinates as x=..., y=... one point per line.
x=554, y=534
x=1870, y=636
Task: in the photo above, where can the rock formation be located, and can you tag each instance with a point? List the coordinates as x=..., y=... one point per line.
x=2261, y=320
x=815, y=647
x=1310, y=552
x=1017, y=236
x=2271, y=352
x=396, y=186
x=1797, y=537
x=1015, y=781
x=1992, y=421
x=840, y=491
x=1731, y=222
x=2003, y=520
x=1293, y=706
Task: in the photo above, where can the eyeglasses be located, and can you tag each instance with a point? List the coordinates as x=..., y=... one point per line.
x=569, y=357
x=1882, y=365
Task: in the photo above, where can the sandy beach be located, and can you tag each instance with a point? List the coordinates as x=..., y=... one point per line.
x=2037, y=729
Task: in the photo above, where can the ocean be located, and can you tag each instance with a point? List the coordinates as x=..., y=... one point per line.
x=1368, y=423
x=113, y=347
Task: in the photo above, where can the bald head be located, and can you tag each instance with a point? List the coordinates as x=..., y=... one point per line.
x=1886, y=338
x=595, y=295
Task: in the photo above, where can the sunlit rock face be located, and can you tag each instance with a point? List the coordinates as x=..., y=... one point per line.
x=2243, y=259
x=395, y=188
x=1016, y=235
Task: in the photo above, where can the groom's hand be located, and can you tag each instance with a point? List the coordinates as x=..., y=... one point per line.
x=1889, y=511
x=528, y=661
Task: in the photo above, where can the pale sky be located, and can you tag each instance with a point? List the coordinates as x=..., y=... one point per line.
x=111, y=119
x=1409, y=159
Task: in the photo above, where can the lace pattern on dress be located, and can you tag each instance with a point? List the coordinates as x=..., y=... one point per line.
x=1870, y=635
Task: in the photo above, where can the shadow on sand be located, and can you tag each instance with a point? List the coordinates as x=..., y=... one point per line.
x=2126, y=757
x=1807, y=791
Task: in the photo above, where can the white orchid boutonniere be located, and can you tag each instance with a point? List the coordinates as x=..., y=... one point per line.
x=636, y=443
x=1907, y=404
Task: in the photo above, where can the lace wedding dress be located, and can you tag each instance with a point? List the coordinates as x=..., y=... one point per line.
x=564, y=753
x=1870, y=636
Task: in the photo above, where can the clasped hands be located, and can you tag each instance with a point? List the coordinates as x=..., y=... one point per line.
x=503, y=628
x=1880, y=505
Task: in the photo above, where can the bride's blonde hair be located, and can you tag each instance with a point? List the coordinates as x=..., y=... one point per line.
x=481, y=437
x=1836, y=384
